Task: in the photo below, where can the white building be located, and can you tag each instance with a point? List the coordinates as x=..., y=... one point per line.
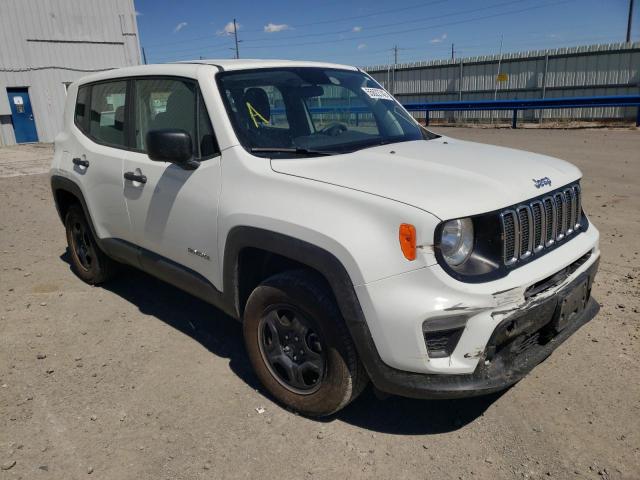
x=45, y=45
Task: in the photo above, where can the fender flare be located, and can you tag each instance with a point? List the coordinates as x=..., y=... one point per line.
x=60, y=183
x=323, y=262
x=303, y=252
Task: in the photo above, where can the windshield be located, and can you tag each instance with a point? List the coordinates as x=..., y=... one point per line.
x=313, y=111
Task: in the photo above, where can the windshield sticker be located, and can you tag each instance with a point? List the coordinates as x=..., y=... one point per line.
x=377, y=93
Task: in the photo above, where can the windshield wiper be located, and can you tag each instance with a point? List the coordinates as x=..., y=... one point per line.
x=294, y=150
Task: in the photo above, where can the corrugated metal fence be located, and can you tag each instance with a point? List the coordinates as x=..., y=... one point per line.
x=595, y=70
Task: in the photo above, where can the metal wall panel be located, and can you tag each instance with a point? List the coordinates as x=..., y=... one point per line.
x=609, y=69
x=46, y=43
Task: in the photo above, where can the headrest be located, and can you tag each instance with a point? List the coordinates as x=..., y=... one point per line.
x=119, y=115
x=259, y=101
x=180, y=99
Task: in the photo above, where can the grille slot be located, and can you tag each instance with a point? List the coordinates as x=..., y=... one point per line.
x=534, y=226
x=539, y=225
x=510, y=236
x=561, y=206
x=526, y=230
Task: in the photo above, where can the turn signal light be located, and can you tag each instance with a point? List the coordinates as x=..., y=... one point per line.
x=407, y=236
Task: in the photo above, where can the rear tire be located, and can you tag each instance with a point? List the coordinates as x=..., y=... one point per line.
x=299, y=345
x=87, y=260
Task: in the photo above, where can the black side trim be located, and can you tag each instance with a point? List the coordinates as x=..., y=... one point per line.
x=63, y=183
x=303, y=252
x=328, y=266
x=163, y=268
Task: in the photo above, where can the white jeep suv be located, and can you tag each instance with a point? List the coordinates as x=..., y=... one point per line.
x=354, y=245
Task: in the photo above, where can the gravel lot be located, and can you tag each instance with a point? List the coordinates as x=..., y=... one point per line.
x=137, y=380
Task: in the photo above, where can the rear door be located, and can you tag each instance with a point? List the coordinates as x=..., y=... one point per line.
x=174, y=212
x=96, y=152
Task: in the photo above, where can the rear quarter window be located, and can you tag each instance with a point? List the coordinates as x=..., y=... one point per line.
x=82, y=108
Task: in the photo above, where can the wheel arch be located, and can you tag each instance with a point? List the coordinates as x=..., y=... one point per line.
x=66, y=192
x=252, y=254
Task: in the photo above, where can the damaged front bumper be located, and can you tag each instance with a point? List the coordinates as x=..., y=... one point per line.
x=523, y=338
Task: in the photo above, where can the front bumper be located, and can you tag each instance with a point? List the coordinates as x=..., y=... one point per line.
x=505, y=360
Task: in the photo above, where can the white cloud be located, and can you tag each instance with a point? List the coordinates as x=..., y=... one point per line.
x=179, y=27
x=276, y=27
x=137, y=13
x=356, y=29
x=439, y=39
x=362, y=46
x=228, y=29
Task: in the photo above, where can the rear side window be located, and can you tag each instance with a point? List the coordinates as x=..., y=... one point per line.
x=172, y=103
x=82, y=108
x=107, y=123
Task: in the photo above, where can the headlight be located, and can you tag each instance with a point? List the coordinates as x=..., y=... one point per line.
x=456, y=242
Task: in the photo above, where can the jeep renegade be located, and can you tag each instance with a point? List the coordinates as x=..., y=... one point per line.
x=353, y=244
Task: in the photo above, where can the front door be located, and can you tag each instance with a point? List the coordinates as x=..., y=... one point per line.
x=173, y=211
x=24, y=125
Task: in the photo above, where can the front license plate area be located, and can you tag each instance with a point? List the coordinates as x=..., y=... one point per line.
x=571, y=305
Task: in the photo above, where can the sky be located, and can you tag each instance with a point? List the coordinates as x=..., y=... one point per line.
x=364, y=32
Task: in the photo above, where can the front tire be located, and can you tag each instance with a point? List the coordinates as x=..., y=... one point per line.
x=87, y=260
x=299, y=345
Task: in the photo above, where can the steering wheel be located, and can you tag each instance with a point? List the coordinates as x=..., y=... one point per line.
x=334, y=129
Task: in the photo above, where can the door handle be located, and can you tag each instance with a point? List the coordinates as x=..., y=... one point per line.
x=80, y=162
x=135, y=177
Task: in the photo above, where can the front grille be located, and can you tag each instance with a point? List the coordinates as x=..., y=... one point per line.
x=532, y=227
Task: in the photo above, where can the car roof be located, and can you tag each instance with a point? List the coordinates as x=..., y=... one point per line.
x=189, y=68
x=251, y=63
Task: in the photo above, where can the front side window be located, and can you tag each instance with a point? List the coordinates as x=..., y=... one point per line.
x=107, y=123
x=162, y=103
x=289, y=111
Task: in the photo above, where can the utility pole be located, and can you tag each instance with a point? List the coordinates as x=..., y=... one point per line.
x=629, y=21
x=395, y=63
x=235, y=34
x=453, y=57
x=495, y=92
x=144, y=56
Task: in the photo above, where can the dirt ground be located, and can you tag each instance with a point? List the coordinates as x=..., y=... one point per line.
x=137, y=380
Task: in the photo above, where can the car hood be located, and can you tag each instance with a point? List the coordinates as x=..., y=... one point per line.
x=447, y=177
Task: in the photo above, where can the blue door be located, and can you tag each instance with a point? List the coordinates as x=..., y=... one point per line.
x=24, y=125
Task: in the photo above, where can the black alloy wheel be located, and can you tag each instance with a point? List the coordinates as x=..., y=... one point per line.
x=292, y=349
x=81, y=244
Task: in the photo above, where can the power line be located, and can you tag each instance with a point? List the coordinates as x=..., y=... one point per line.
x=367, y=15
x=322, y=22
x=363, y=37
x=427, y=27
x=372, y=27
x=387, y=25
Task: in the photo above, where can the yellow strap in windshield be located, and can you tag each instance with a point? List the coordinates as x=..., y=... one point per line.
x=253, y=113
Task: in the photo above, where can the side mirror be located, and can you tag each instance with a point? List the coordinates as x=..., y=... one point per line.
x=171, y=145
